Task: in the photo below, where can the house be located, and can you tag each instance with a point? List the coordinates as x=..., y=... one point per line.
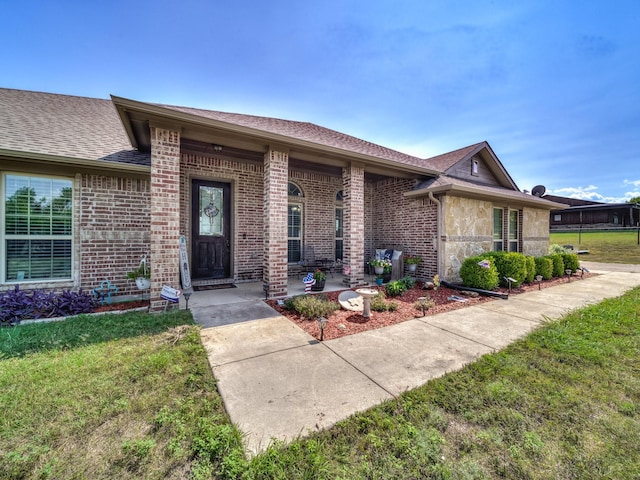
x=579, y=214
x=89, y=186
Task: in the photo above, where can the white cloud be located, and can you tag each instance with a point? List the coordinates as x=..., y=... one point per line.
x=589, y=193
x=635, y=183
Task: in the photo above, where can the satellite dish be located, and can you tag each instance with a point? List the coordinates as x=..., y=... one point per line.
x=538, y=190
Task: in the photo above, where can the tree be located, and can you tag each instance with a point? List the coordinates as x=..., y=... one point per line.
x=634, y=200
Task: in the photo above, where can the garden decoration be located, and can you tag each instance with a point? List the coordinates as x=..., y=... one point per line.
x=308, y=282
x=366, y=294
x=104, y=291
x=539, y=280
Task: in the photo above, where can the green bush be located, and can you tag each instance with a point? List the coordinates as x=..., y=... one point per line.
x=378, y=303
x=409, y=282
x=555, y=249
x=311, y=306
x=531, y=268
x=476, y=276
x=558, y=264
x=395, y=288
x=544, y=267
x=511, y=265
x=570, y=261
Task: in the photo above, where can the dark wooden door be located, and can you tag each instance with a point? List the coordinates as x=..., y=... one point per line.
x=210, y=229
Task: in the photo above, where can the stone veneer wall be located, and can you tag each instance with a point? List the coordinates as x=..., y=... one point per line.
x=112, y=219
x=402, y=223
x=467, y=230
x=535, y=231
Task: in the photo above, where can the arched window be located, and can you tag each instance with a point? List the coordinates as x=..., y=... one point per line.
x=294, y=223
x=339, y=234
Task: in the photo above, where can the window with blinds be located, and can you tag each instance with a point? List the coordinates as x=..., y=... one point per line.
x=37, y=227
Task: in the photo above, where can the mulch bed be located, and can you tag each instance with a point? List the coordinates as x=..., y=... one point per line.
x=114, y=307
x=345, y=322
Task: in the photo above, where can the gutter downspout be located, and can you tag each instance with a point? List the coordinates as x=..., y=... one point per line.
x=439, y=252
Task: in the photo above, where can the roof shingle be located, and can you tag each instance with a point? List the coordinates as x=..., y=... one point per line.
x=63, y=125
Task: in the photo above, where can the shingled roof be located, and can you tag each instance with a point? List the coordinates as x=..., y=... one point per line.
x=305, y=131
x=45, y=124
x=446, y=184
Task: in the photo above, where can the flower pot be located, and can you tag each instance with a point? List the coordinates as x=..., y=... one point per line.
x=411, y=267
x=379, y=281
x=143, y=283
x=318, y=286
x=378, y=270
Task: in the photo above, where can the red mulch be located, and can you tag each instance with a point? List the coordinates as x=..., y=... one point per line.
x=345, y=322
x=111, y=307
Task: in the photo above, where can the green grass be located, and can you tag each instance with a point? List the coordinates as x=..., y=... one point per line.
x=115, y=396
x=562, y=403
x=607, y=247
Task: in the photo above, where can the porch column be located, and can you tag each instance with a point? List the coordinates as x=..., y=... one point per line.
x=274, y=267
x=165, y=212
x=353, y=211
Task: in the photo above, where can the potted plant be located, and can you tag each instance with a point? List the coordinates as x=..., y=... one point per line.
x=380, y=265
x=319, y=276
x=141, y=275
x=412, y=261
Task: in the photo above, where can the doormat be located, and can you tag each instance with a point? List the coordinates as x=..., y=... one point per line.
x=219, y=286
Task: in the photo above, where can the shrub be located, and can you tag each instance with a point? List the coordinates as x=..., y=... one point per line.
x=570, y=261
x=312, y=306
x=424, y=304
x=544, y=267
x=17, y=305
x=530, y=263
x=409, y=282
x=378, y=303
x=511, y=265
x=475, y=275
x=558, y=264
x=395, y=288
x=555, y=249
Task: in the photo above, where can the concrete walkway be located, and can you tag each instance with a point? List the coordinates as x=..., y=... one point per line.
x=277, y=382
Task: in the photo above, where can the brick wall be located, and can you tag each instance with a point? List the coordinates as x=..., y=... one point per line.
x=405, y=224
x=354, y=223
x=113, y=230
x=275, y=223
x=165, y=212
x=319, y=204
x=247, y=215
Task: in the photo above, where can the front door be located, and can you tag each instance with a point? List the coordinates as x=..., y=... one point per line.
x=210, y=229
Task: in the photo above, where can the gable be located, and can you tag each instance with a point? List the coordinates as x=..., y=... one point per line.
x=473, y=169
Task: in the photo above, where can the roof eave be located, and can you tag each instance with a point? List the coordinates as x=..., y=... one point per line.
x=123, y=105
x=482, y=194
x=79, y=162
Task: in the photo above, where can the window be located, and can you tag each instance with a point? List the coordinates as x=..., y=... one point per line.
x=498, y=244
x=339, y=227
x=37, y=228
x=557, y=217
x=474, y=168
x=513, y=230
x=294, y=224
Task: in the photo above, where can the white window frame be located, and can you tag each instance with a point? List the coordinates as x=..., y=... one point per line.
x=513, y=241
x=498, y=240
x=295, y=201
x=4, y=236
x=339, y=208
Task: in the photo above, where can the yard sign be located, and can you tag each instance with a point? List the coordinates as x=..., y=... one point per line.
x=184, y=265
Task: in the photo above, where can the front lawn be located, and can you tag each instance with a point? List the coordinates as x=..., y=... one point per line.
x=563, y=403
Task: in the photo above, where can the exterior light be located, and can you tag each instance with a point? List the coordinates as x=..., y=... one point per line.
x=322, y=322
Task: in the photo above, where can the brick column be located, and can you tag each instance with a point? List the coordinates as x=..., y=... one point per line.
x=276, y=177
x=353, y=211
x=165, y=212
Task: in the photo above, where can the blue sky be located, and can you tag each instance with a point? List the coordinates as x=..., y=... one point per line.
x=553, y=86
